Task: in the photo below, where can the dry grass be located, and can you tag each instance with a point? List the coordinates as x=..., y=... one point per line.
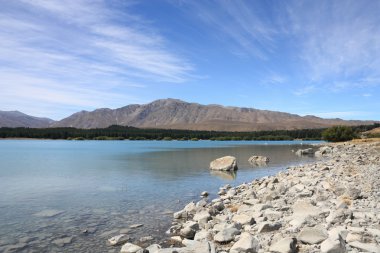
x=365, y=140
x=233, y=208
x=352, y=171
x=373, y=131
x=346, y=199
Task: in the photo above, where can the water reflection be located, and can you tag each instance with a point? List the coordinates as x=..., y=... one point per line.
x=225, y=175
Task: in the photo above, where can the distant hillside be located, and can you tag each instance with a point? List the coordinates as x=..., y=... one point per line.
x=177, y=114
x=19, y=119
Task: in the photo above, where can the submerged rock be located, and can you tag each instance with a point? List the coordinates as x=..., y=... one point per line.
x=63, y=241
x=48, y=213
x=258, y=160
x=119, y=239
x=307, y=151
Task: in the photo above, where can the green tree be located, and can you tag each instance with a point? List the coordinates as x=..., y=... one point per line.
x=338, y=133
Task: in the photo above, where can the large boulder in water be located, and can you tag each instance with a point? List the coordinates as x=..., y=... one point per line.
x=226, y=163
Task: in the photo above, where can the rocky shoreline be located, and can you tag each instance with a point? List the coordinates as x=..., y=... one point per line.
x=332, y=205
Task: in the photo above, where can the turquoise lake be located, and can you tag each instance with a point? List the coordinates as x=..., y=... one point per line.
x=71, y=196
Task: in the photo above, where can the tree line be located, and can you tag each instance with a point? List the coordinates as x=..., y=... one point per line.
x=125, y=132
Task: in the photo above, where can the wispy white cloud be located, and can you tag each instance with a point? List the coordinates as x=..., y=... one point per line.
x=84, y=53
x=273, y=78
x=304, y=90
x=343, y=114
x=321, y=42
x=338, y=40
x=238, y=22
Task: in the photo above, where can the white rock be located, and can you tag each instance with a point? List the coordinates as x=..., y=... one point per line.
x=119, y=239
x=246, y=243
x=202, y=217
x=136, y=225
x=365, y=247
x=202, y=235
x=154, y=248
x=286, y=245
x=313, y=235
x=226, y=235
x=352, y=237
x=176, y=238
x=130, y=248
x=180, y=214
x=226, y=163
x=304, y=208
x=243, y=219
x=333, y=245
x=258, y=160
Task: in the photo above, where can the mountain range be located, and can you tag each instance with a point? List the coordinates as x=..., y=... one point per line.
x=177, y=114
x=19, y=119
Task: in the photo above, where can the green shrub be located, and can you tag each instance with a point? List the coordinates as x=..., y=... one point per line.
x=338, y=133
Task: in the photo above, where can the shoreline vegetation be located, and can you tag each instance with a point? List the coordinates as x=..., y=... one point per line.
x=132, y=133
x=331, y=205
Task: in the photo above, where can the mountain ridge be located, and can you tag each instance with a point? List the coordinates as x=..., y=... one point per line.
x=19, y=119
x=177, y=114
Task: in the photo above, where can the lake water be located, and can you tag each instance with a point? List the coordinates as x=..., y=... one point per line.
x=71, y=196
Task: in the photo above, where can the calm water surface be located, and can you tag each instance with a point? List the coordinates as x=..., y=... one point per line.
x=94, y=189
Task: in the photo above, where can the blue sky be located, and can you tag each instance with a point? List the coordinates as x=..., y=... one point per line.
x=303, y=57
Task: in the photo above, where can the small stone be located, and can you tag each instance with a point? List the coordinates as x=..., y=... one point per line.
x=130, y=248
x=226, y=235
x=146, y=238
x=366, y=247
x=189, y=229
x=202, y=235
x=304, y=208
x=49, y=213
x=176, y=238
x=63, y=241
x=204, y=194
x=243, y=219
x=286, y=245
x=202, y=217
x=119, y=239
x=313, y=235
x=180, y=214
x=352, y=237
x=124, y=231
x=187, y=232
x=333, y=245
x=268, y=227
x=246, y=243
x=136, y=225
x=258, y=160
x=154, y=248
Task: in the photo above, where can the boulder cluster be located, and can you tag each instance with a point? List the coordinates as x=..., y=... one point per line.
x=330, y=206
